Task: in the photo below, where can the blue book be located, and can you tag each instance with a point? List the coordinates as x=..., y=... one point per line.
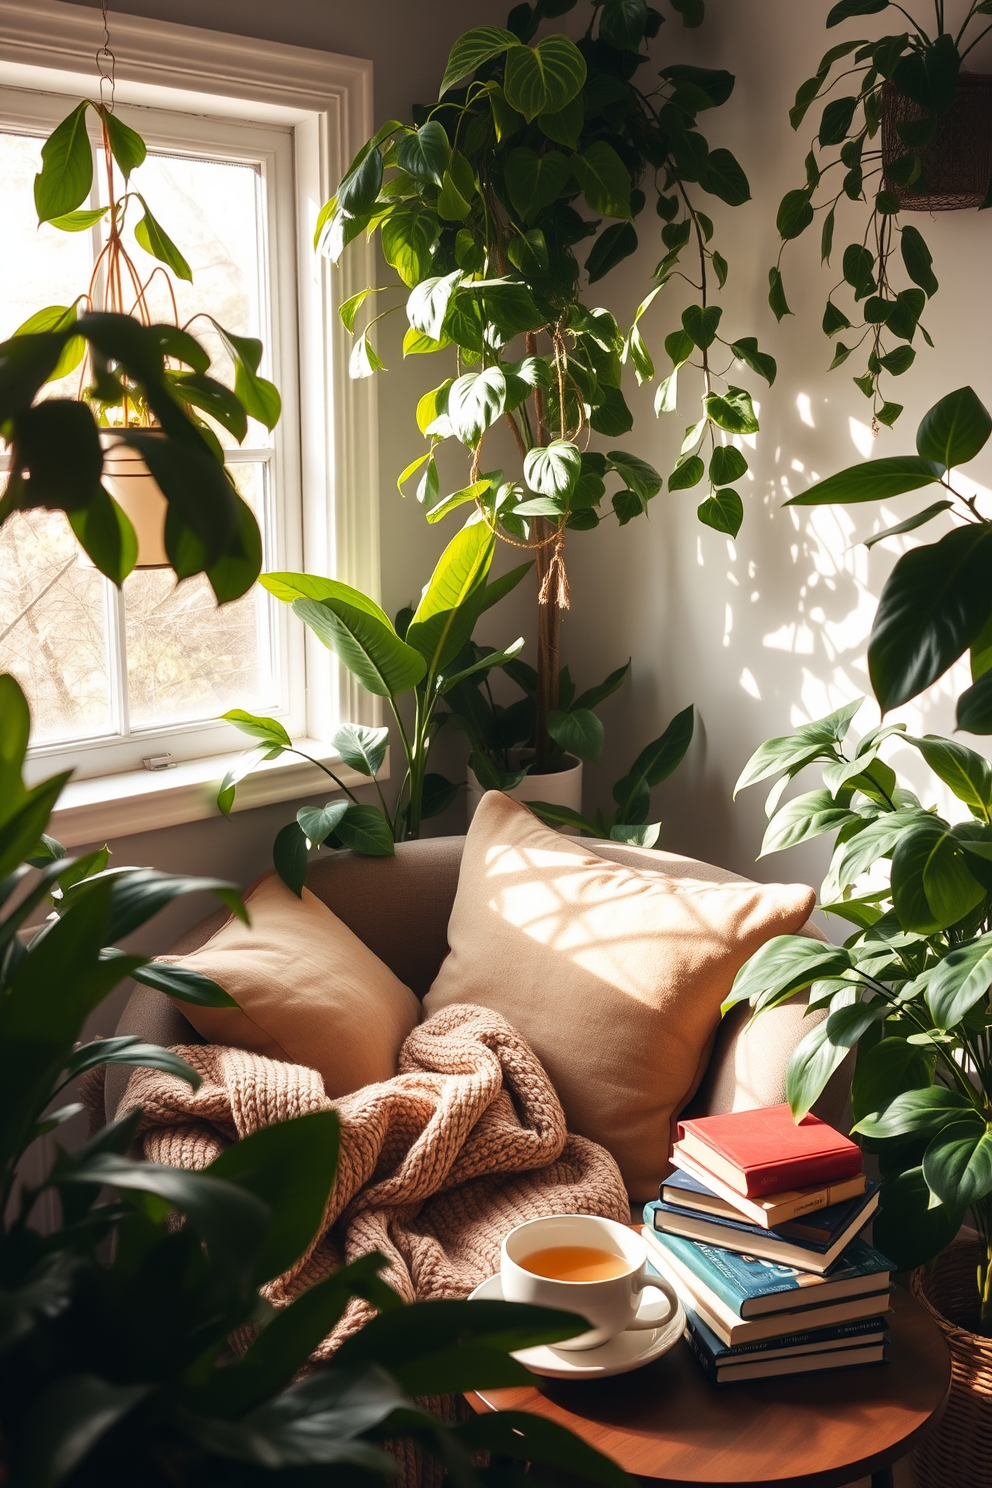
x=749, y=1286
x=813, y=1244
x=846, y=1346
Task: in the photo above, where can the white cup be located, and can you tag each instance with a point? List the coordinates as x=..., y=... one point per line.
x=611, y=1305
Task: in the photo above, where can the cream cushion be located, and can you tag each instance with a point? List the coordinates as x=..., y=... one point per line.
x=308, y=991
x=615, y=976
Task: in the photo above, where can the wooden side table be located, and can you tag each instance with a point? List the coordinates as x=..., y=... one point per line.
x=668, y=1425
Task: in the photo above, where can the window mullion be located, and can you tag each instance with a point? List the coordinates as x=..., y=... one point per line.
x=117, y=658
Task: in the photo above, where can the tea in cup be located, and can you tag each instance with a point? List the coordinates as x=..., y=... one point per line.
x=580, y=1263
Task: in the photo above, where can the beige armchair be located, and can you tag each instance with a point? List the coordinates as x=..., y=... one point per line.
x=399, y=907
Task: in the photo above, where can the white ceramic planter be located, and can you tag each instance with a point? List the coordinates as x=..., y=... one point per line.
x=136, y=491
x=564, y=788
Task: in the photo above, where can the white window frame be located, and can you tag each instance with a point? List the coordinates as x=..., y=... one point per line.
x=324, y=102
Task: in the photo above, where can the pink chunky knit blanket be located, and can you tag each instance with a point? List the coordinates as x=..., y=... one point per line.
x=436, y=1164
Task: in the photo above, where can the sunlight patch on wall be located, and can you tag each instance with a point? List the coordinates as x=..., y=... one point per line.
x=861, y=437
x=805, y=406
x=750, y=685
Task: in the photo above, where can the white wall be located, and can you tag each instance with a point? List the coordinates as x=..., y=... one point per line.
x=761, y=633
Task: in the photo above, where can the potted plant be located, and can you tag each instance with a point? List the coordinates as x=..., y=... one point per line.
x=500, y=737
x=133, y=454
x=912, y=131
x=413, y=665
x=480, y=206
x=138, y=1349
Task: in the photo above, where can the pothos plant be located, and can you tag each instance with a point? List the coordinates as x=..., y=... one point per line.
x=135, y=1342
x=480, y=207
x=937, y=602
x=413, y=665
x=911, y=988
x=845, y=161
x=146, y=381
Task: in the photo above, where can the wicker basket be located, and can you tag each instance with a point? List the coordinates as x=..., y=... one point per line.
x=959, y=1453
x=957, y=163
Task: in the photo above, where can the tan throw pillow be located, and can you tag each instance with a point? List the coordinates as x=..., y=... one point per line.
x=308, y=991
x=614, y=976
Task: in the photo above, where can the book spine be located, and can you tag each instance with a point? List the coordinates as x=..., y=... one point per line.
x=702, y=1354
x=772, y=1178
x=696, y=1257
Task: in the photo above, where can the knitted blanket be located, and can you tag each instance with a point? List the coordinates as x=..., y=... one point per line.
x=436, y=1164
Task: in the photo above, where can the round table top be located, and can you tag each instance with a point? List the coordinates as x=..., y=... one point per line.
x=666, y=1422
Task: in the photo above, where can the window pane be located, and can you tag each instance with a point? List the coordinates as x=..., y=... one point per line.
x=54, y=632
x=189, y=659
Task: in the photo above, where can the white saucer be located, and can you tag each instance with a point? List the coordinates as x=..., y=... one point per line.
x=630, y=1350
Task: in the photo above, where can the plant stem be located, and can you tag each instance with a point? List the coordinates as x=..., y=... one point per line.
x=548, y=615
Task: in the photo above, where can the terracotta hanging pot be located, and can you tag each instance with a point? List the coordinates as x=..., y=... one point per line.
x=136, y=491
x=957, y=163
x=959, y=1452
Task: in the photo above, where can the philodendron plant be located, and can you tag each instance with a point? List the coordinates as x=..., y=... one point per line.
x=534, y=147
x=937, y=601
x=501, y=737
x=922, y=63
x=138, y=1349
x=149, y=382
x=412, y=665
x=911, y=988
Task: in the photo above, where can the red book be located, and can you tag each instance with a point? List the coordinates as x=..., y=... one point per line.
x=766, y=1151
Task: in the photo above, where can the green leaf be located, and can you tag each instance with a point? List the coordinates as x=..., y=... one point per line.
x=66, y=174
x=727, y=464
x=611, y=415
x=604, y=179
x=836, y=120
x=974, y=711
x=731, y=411
x=918, y=260
x=156, y=241
x=534, y=181
x=358, y=190
x=701, y=324
x=691, y=11
x=425, y=153
x=811, y=1064
x=612, y=246
x=746, y=350
x=910, y=524
x=183, y=983
x=579, y=732
x=553, y=470
x=784, y=965
x=687, y=473
x=794, y=214
x=934, y=603
x=957, y=1164
x=641, y=477
x=723, y=177
x=636, y=836
x=654, y=764
x=126, y=145
x=804, y=817
x=931, y=885
x=844, y=9
x=885, y=1071
x=366, y=831
x=106, y=535
x=776, y=294
x=68, y=1417
x=75, y=222
x=475, y=402
x=544, y=78
x=259, y=397
x=485, y=663
x=289, y=857
x=472, y=49
x=457, y=499
x=955, y=429
x=959, y=981
x=968, y=774
x=354, y=627
x=428, y=302
x=408, y=236
x=564, y=126
x=723, y=511
x=256, y=726
x=362, y=749
x=446, y=615
x=317, y=823
x=911, y=1232
x=876, y=480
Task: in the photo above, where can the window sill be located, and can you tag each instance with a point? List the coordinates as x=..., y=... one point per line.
x=148, y=800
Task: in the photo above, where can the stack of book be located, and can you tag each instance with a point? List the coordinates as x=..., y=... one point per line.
x=759, y=1229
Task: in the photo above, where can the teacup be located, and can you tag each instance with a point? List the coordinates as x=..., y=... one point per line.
x=611, y=1304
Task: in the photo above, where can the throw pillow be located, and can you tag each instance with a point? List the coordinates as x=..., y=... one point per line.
x=613, y=975
x=308, y=991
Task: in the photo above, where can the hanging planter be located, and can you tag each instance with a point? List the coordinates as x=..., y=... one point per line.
x=563, y=788
x=136, y=491
x=957, y=163
x=960, y=1450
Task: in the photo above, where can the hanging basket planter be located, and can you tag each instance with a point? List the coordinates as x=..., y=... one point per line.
x=136, y=491
x=959, y=1452
x=957, y=163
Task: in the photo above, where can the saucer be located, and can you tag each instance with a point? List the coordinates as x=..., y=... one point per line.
x=629, y=1350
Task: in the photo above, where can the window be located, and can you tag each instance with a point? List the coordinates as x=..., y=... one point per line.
x=245, y=143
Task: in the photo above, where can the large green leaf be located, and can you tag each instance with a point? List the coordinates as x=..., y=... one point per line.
x=875, y=480
x=884, y=1071
x=474, y=48
x=579, y=732
x=446, y=615
x=535, y=181
x=183, y=983
x=408, y=236
x=955, y=429
x=783, y=966
x=364, y=749
x=932, y=887
x=914, y=1113
x=553, y=470
x=317, y=823
x=957, y=983
x=66, y=174
x=732, y=411
x=957, y=1164
x=156, y=241
x=974, y=711
x=544, y=78
x=475, y=402
x=968, y=773
x=653, y=765
x=906, y=1228
x=604, y=179
x=934, y=603
x=804, y=817
x=428, y=303
x=811, y=1064
x=425, y=153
